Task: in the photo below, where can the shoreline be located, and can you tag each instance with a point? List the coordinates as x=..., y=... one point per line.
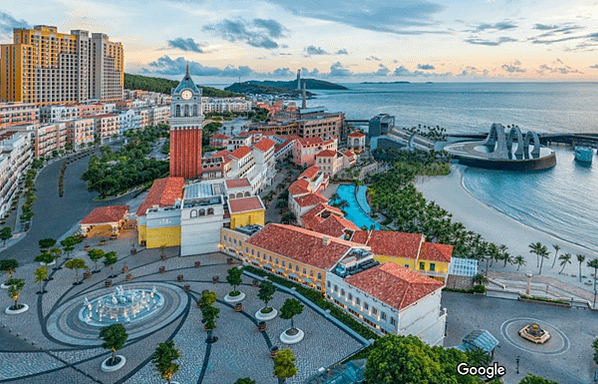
x=497, y=227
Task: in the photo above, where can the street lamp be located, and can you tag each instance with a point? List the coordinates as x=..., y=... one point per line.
x=594, y=296
x=517, y=360
x=529, y=282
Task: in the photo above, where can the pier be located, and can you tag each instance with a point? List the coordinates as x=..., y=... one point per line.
x=572, y=139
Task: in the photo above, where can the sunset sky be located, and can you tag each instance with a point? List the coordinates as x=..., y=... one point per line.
x=338, y=40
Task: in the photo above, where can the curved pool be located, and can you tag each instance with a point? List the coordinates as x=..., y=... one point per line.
x=355, y=212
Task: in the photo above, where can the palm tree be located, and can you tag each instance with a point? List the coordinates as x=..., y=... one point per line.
x=543, y=253
x=519, y=261
x=506, y=257
x=581, y=259
x=556, y=253
x=566, y=259
x=593, y=264
x=480, y=279
x=535, y=248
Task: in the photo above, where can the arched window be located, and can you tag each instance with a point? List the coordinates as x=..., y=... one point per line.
x=193, y=213
x=195, y=110
x=210, y=211
x=239, y=195
x=297, y=268
x=186, y=110
x=231, y=196
x=177, y=111
x=202, y=212
x=304, y=271
x=247, y=194
x=319, y=276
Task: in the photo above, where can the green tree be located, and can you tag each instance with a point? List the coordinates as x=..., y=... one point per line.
x=543, y=253
x=533, y=379
x=163, y=359
x=593, y=264
x=266, y=292
x=290, y=308
x=207, y=298
x=45, y=244
x=95, y=255
x=15, y=286
x=115, y=336
x=566, y=259
x=233, y=277
x=284, y=365
x=581, y=259
x=40, y=275
x=245, y=380
x=76, y=264
x=9, y=266
x=288, y=218
x=595, y=346
x=536, y=248
x=209, y=314
x=68, y=245
x=557, y=248
x=5, y=234
x=56, y=253
x=45, y=258
x=519, y=261
x=110, y=258
x=480, y=279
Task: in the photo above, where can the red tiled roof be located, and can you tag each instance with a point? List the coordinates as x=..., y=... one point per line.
x=310, y=172
x=436, y=252
x=299, y=187
x=264, y=145
x=245, y=204
x=241, y=152
x=310, y=141
x=237, y=183
x=395, y=244
x=396, y=286
x=110, y=214
x=349, y=154
x=360, y=237
x=219, y=136
x=326, y=153
x=356, y=134
x=163, y=193
x=300, y=244
x=243, y=133
x=105, y=115
x=281, y=146
x=311, y=199
x=223, y=153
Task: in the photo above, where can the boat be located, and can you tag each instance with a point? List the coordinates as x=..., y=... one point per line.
x=584, y=154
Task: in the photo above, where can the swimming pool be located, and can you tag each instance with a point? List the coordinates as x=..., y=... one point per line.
x=354, y=212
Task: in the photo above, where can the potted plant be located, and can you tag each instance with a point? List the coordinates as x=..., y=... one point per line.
x=265, y=293
x=125, y=269
x=233, y=277
x=95, y=255
x=87, y=274
x=15, y=286
x=9, y=266
x=163, y=359
x=245, y=380
x=76, y=264
x=207, y=298
x=115, y=336
x=133, y=249
x=129, y=277
x=290, y=308
x=40, y=275
x=209, y=314
x=103, y=242
x=110, y=258
x=162, y=254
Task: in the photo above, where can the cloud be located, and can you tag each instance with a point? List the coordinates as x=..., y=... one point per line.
x=500, y=26
x=514, y=67
x=590, y=37
x=473, y=72
x=8, y=23
x=490, y=43
x=595, y=66
x=426, y=67
x=283, y=72
x=259, y=33
x=382, y=70
x=402, y=71
x=313, y=50
x=188, y=45
x=338, y=70
x=165, y=65
x=562, y=70
x=342, y=51
x=556, y=29
x=382, y=16
x=374, y=58
x=306, y=72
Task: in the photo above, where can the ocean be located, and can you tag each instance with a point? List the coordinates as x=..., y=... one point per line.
x=561, y=201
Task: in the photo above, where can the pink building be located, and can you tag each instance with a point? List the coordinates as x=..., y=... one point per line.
x=305, y=150
x=356, y=141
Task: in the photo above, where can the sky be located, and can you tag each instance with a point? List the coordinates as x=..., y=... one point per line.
x=336, y=40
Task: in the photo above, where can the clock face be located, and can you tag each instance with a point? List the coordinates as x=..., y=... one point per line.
x=186, y=94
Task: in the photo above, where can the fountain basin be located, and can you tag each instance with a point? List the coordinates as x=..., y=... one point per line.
x=534, y=333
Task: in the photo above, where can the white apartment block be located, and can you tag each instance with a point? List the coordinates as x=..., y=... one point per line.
x=228, y=104
x=15, y=155
x=106, y=126
x=17, y=114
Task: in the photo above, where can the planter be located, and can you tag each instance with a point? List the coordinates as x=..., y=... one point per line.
x=266, y=316
x=179, y=278
x=207, y=329
x=163, y=256
x=162, y=269
x=255, y=282
x=133, y=251
x=111, y=368
x=292, y=339
x=233, y=299
x=230, y=260
x=44, y=264
x=197, y=264
x=273, y=351
x=238, y=307
x=261, y=326
x=129, y=277
x=108, y=283
x=4, y=286
x=125, y=269
x=24, y=307
x=186, y=287
x=87, y=247
x=102, y=242
x=86, y=274
x=215, y=279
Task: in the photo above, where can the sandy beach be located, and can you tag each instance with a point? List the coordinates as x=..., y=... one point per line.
x=496, y=227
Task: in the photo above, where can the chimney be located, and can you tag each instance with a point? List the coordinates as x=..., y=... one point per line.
x=325, y=241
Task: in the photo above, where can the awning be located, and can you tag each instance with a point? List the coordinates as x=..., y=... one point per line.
x=266, y=266
x=319, y=285
x=306, y=280
x=293, y=275
x=280, y=270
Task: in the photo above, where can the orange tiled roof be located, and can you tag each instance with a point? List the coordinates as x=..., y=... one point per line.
x=311, y=199
x=310, y=172
x=299, y=187
x=110, y=214
x=360, y=237
x=349, y=154
x=395, y=244
x=436, y=252
x=223, y=153
x=105, y=115
x=356, y=134
x=219, y=136
x=300, y=244
x=326, y=153
x=241, y=152
x=163, y=193
x=245, y=204
x=264, y=145
x=237, y=183
x=281, y=146
x=310, y=141
x=396, y=286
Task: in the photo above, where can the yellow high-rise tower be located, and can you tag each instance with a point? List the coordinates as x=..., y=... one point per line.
x=45, y=67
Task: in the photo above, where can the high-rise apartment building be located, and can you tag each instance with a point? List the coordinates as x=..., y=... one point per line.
x=45, y=67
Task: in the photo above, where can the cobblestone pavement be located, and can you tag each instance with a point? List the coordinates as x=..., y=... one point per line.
x=34, y=350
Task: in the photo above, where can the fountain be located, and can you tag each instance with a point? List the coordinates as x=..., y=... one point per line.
x=121, y=306
x=534, y=333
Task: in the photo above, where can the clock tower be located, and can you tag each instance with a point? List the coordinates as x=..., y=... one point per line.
x=185, y=129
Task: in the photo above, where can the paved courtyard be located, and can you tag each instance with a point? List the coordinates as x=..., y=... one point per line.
x=48, y=343
x=565, y=358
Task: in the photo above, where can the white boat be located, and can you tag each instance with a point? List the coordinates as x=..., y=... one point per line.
x=584, y=154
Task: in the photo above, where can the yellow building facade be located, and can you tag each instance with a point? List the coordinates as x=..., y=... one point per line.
x=247, y=218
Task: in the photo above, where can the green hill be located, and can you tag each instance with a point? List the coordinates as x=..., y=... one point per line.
x=252, y=89
x=156, y=84
x=309, y=84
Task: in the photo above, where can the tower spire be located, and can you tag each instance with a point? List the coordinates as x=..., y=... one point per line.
x=187, y=68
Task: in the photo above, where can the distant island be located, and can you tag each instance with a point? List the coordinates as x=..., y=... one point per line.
x=261, y=89
x=309, y=84
x=160, y=85
x=385, y=82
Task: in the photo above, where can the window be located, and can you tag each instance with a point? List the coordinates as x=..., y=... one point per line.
x=235, y=240
x=258, y=254
x=297, y=268
x=393, y=321
x=283, y=263
x=342, y=292
x=202, y=212
x=291, y=266
x=335, y=288
x=328, y=284
x=319, y=276
x=252, y=252
x=210, y=211
x=350, y=296
x=357, y=301
x=276, y=261
x=366, y=306
x=383, y=315
x=406, y=265
x=432, y=267
x=246, y=248
x=264, y=257
x=270, y=259
x=311, y=273
x=194, y=214
x=374, y=310
x=422, y=266
x=304, y=271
